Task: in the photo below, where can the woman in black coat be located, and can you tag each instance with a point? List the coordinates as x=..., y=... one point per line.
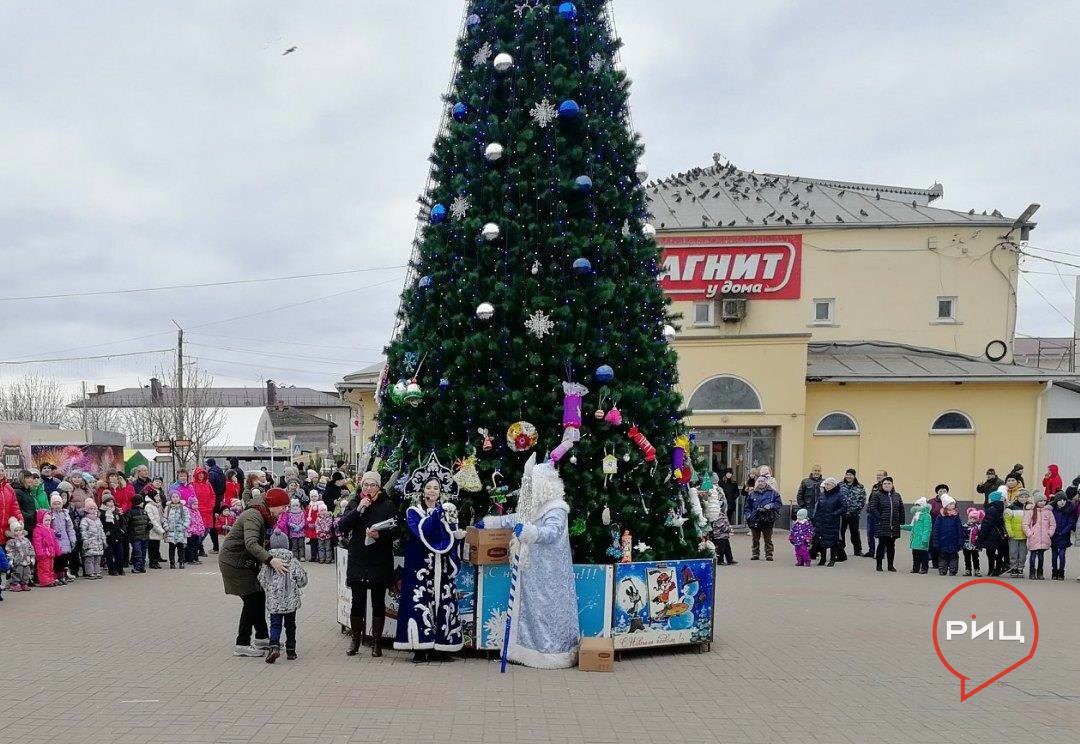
x=828, y=514
x=370, y=567
x=888, y=508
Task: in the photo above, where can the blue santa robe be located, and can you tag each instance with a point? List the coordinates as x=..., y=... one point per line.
x=428, y=609
x=544, y=633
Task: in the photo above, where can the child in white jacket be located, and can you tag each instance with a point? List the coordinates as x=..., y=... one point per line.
x=283, y=596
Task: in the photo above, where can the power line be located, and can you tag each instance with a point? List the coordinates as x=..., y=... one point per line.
x=259, y=352
x=138, y=290
x=84, y=358
x=1048, y=302
x=288, y=342
x=263, y=366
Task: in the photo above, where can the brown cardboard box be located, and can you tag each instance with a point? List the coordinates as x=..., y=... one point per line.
x=596, y=655
x=488, y=547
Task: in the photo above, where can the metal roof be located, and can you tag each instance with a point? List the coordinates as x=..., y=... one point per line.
x=222, y=397
x=289, y=417
x=876, y=361
x=723, y=196
x=366, y=378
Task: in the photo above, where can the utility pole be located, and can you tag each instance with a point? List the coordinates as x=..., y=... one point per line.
x=85, y=417
x=179, y=387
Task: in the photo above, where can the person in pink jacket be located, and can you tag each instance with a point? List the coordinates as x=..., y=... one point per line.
x=46, y=548
x=1039, y=528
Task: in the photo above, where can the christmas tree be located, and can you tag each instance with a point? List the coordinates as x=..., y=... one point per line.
x=534, y=321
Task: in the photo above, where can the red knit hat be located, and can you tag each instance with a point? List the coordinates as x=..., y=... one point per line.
x=276, y=497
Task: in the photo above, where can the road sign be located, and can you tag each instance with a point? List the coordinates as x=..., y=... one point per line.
x=357, y=425
x=163, y=458
x=296, y=450
x=163, y=447
x=182, y=442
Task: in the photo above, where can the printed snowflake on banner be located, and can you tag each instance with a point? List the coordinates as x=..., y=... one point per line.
x=539, y=324
x=460, y=207
x=544, y=113
x=527, y=6
x=495, y=628
x=597, y=62
x=482, y=55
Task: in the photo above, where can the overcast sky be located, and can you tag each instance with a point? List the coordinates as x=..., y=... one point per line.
x=146, y=142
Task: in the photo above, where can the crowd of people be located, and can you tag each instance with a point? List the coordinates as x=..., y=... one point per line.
x=1013, y=525
x=58, y=527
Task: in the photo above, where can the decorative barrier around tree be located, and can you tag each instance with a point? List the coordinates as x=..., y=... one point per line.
x=638, y=605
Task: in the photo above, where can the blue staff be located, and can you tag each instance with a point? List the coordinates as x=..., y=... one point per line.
x=510, y=607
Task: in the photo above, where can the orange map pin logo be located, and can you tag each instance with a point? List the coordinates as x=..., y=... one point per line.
x=983, y=630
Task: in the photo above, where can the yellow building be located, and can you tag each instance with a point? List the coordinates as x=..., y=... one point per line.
x=358, y=390
x=847, y=325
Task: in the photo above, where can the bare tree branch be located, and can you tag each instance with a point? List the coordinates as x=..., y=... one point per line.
x=36, y=398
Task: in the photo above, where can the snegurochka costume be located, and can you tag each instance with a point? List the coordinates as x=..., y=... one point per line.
x=428, y=609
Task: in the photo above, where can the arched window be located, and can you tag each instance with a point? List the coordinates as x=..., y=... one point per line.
x=836, y=422
x=725, y=393
x=952, y=422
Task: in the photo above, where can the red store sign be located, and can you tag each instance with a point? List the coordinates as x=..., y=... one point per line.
x=760, y=267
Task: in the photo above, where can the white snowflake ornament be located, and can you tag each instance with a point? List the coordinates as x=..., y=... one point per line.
x=597, y=62
x=544, y=113
x=539, y=324
x=482, y=55
x=460, y=207
x=527, y=7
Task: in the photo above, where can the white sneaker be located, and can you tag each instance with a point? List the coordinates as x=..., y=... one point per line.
x=247, y=651
x=261, y=643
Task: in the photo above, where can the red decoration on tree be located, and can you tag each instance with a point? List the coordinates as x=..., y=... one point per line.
x=643, y=444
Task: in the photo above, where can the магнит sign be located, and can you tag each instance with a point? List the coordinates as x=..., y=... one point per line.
x=762, y=267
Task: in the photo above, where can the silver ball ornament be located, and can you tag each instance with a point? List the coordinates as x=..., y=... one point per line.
x=493, y=152
x=648, y=231
x=669, y=333
x=490, y=232
x=485, y=311
x=642, y=173
x=503, y=62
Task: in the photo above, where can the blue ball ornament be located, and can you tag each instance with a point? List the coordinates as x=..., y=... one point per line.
x=604, y=373
x=444, y=384
x=582, y=266
x=438, y=214
x=460, y=111
x=583, y=184
x=569, y=110
x=425, y=282
x=568, y=11
x=472, y=21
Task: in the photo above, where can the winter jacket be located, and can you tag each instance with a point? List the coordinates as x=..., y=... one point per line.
x=987, y=487
x=20, y=551
x=827, y=515
x=41, y=499
x=992, y=534
x=186, y=490
x=801, y=534
x=854, y=496
x=324, y=525
x=369, y=563
x=28, y=507
x=123, y=497
x=115, y=524
x=721, y=527
x=138, y=524
x=920, y=527
x=207, y=498
x=5, y=563
x=64, y=530
x=232, y=491
x=196, y=526
x=311, y=516
x=1052, y=482
x=948, y=534
x=45, y=544
x=153, y=513
x=283, y=592
x=761, y=501
x=1039, y=527
x=216, y=476
x=50, y=485
x=242, y=552
x=93, y=536
x=9, y=507
x=888, y=509
x=971, y=535
x=807, y=494
x=1014, y=520
x=1064, y=524
x=176, y=520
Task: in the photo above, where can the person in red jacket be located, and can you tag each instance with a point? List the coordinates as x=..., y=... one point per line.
x=9, y=506
x=204, y=492
x=1052, y=481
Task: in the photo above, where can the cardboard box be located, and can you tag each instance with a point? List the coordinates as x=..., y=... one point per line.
x=488, y=547
x=596, y=655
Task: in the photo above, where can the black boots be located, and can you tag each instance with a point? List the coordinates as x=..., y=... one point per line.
x=419, y=657
x=357, y=622
x=376, y=635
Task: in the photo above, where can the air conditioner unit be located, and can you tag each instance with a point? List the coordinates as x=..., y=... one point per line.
x=733, y=310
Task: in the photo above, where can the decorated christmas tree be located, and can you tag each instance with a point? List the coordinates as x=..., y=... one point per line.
x=534, y=321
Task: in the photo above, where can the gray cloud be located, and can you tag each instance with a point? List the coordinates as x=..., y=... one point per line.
x=152, y=143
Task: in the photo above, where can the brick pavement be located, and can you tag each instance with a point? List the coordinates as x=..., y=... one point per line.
x=807, y=655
